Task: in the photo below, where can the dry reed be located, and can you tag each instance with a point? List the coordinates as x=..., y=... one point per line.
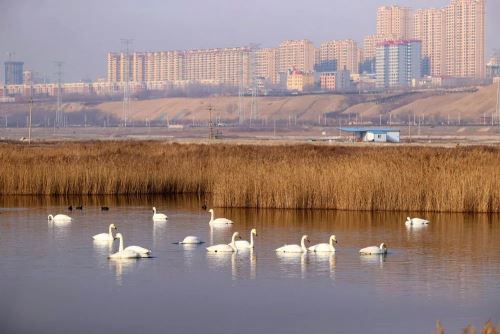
x=459, y=179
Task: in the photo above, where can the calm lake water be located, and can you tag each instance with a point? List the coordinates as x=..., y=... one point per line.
x=54, y=279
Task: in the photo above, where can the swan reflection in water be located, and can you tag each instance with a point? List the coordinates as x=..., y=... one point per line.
x=60, y=229
x=375, y=259
x=325, y=262
x=222, y=229
x=290, y=261
x=103, y=248
x=121, y=267
x=243, y=263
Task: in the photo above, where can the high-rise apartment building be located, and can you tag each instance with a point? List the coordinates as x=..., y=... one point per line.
x=395, y=21
x=266, y=64
x=430, y=30
x=398, y=63
x=465, y=38
x=339, y=55
x=13, y=72
x=296, y=54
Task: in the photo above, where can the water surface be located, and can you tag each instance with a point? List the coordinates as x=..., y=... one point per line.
x=55, y=279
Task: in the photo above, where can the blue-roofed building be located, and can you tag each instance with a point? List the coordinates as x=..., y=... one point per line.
x=381, y=135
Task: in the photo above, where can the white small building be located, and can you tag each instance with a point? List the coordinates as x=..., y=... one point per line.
x=374, y=134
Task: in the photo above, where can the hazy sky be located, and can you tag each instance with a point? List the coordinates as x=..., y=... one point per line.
x=80, y=33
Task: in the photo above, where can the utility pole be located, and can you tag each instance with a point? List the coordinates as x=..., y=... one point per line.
x=126, y=43
x=211, y=135
x=29, y=128
x=254, y=112
x=59, y=119
x=409, y=126
x=498, y=102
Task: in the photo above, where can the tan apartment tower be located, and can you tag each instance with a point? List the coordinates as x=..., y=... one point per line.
x=339, y=55
x=296, y=54
x=430, y=30
x=394, y=21
x=266, y=64
x=465, y=38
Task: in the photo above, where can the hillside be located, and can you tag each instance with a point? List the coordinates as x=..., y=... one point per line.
x=435, y=105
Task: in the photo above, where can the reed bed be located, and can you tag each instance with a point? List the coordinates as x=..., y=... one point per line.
x=458, y=179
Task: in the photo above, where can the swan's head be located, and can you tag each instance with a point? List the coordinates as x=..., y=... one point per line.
x=408, y=218
x=305, y=238
x=254, y=231
x=211, y=210
x=113, y=226
x=118, y=236
x=236, y=235
x=333, y=238
x=50, y=217
x=383, y=246
x=154, y=209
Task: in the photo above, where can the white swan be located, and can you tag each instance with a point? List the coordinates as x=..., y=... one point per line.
x=382, y=249
x=158, y=216
x=59, y=218
x=244, y=244
x=143, y=252
x=324, y=247
x=190, y=240
x=225, y=248
x=295, y=248
x=416, y=222
x=218, y=221
x=106, y=236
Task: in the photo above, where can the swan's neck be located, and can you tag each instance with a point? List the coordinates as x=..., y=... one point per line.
x=233, y=242
x=121, y=244
x=302, y=244
x=110, y=232
x=154, y=211
x=251, y=240
x=331, y=242
x=211, y=216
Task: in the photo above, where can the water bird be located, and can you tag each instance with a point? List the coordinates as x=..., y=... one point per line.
x=190, y=240
x=130, y=251
x=79, y=207
x=225, y=248
x=70, y=208
x=104, y=208
x=295, y=248
x=59, y=218
x=106, y=236
x=158, y=216
x=372, y=250
x=244, y=244
x=324, y=247
x=416, y=222
x=218, y=221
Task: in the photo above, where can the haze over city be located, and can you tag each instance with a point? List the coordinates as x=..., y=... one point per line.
x=81, y=33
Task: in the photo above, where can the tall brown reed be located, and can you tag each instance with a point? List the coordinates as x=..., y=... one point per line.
x=465, y=179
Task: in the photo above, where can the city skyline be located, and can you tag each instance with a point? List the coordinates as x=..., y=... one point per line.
x=84, y=52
